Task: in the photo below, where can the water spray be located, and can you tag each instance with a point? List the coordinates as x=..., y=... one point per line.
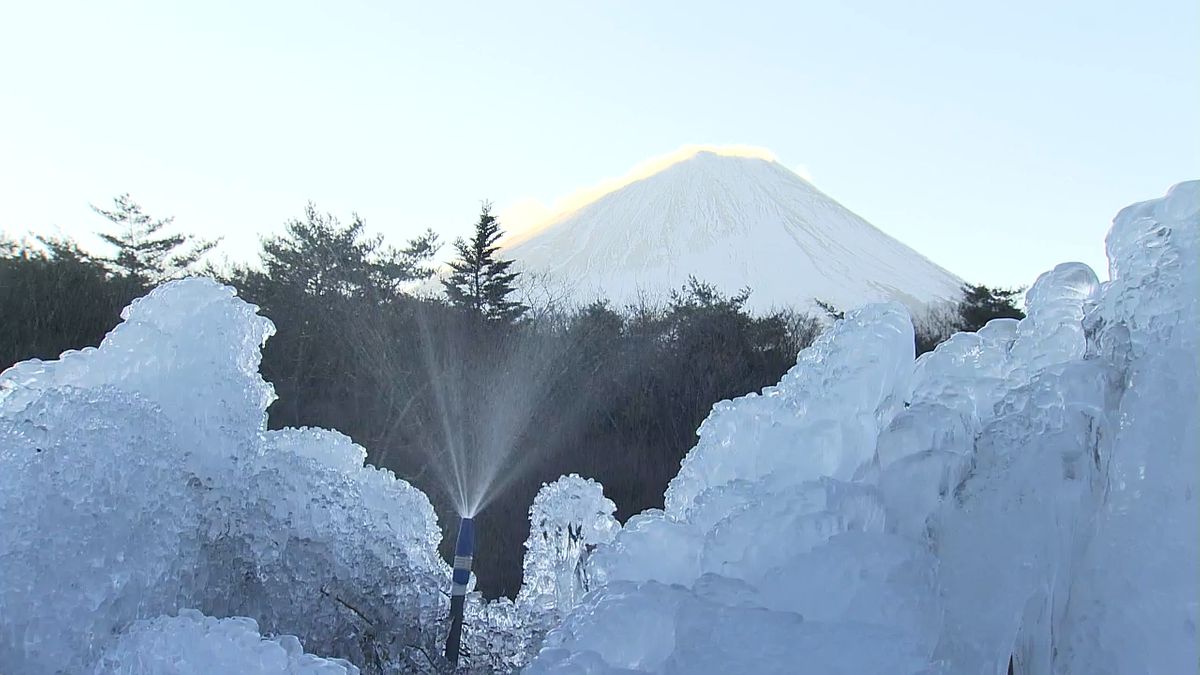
x=464, y=549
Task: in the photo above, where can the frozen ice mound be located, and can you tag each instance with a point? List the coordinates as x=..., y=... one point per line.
x=194, y=644
x=1137, y=605
x=316, y=544
x=569, y=518
x=820, y=420
x=1022, y=494
x=652, y=627
x=93, y=508
x=138, y=479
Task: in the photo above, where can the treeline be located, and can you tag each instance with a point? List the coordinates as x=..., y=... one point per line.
x=614, y=393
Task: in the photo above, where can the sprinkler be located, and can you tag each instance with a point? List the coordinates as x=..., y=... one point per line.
x=463, y=551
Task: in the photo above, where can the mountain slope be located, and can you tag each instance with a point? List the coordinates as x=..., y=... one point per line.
x=733, y=221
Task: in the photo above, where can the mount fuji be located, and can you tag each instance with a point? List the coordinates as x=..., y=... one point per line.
x=732, y=220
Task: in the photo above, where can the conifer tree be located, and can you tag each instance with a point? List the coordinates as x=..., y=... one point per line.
x=319, y=256
x=981, y=304
x=54, y=297
x=480, y=281
x=144, y=253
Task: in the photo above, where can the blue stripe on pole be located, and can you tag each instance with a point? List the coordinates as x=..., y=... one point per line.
x=463, y=550
x=466, y=538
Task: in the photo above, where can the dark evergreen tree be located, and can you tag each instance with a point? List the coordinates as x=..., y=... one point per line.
x=144, y=252
x=832, y=312
x=55, y=297
x=480, y=281
x=978, y=305
x=596, y=324
x=319, y=257
x=981, y=304
x=336, y=297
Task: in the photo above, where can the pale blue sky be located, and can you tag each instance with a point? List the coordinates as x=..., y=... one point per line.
x=996, y=138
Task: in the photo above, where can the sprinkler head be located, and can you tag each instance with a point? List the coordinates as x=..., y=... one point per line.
x=464, y=551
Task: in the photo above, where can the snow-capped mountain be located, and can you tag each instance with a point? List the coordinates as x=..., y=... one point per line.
x=734, y=221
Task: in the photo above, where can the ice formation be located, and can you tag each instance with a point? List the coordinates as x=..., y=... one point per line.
x=1025, y=494
x=194, y=644
x=568, y=520
x=138, y=479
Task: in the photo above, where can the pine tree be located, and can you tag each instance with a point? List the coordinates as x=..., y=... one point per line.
x=981, y=304
x=830, y=310
x=318, y=256
x=978, y=305
x=54, y=297
x=479, y=280
x=143, y=253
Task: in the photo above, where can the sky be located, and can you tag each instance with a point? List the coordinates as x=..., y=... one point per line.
x=998, y=139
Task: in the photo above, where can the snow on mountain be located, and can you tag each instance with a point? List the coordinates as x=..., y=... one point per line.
x=733, y=220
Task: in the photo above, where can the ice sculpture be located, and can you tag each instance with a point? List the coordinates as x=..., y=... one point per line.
x=568, y=519
x=138, y=479
x=194, y=644
x=1022, y=497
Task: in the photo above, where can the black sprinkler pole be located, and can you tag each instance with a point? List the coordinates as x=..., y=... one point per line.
x=463, y=552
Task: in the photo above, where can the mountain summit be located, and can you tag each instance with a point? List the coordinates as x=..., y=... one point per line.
x=734, y=221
